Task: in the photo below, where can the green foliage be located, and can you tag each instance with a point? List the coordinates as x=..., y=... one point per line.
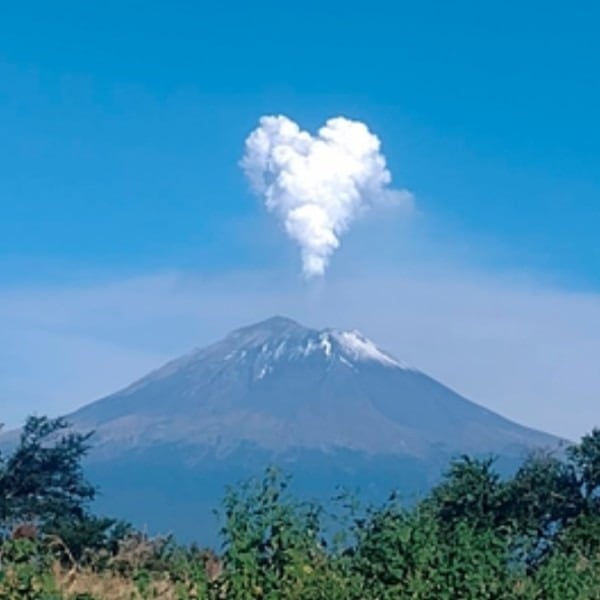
x=564, y=576
x=42, y=479
x=271, y=541
x=25, y=572
x=585, y=458
x=473, y=492
x=87, y=539
x=412, y=554
x=544, y=492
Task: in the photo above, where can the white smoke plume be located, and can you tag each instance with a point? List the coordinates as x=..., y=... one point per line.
x=317, y=185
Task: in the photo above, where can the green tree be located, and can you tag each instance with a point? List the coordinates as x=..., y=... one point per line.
x=543, y=498
x=87, y=538
x=585, y=458
x=42, y=480
x=471, y=491
x=272, y=542
x=414, y=554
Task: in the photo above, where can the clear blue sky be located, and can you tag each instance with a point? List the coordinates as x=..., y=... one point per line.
x=122, y=122
x=121, y=127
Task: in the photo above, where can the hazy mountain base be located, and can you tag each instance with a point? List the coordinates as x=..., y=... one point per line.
x=159, y=491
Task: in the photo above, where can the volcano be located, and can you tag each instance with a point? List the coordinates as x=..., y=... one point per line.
x=328, y=406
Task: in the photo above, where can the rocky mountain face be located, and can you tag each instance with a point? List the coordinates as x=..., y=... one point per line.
x=329, y=406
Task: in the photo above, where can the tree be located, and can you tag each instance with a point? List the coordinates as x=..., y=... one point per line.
x=471, y=491
x=543, y=498
x=272, y=542
x=585, y=458
x=42, y=480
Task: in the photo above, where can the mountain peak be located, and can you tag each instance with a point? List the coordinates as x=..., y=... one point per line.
x=270, y=329
x=280, y=337
x=273, y=325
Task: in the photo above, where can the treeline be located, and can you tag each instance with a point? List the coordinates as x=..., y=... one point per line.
x=535, y=535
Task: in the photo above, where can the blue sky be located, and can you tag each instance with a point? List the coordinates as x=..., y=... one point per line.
x=122, y=124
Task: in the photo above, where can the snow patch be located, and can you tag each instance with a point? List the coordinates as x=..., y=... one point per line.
x=279, y=350
x=264, y=371
x=346, y=362
x=359, y=347
x=310, y=347
x=326, y=344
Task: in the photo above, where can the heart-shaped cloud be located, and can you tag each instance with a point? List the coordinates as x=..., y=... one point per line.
x=317, y=185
